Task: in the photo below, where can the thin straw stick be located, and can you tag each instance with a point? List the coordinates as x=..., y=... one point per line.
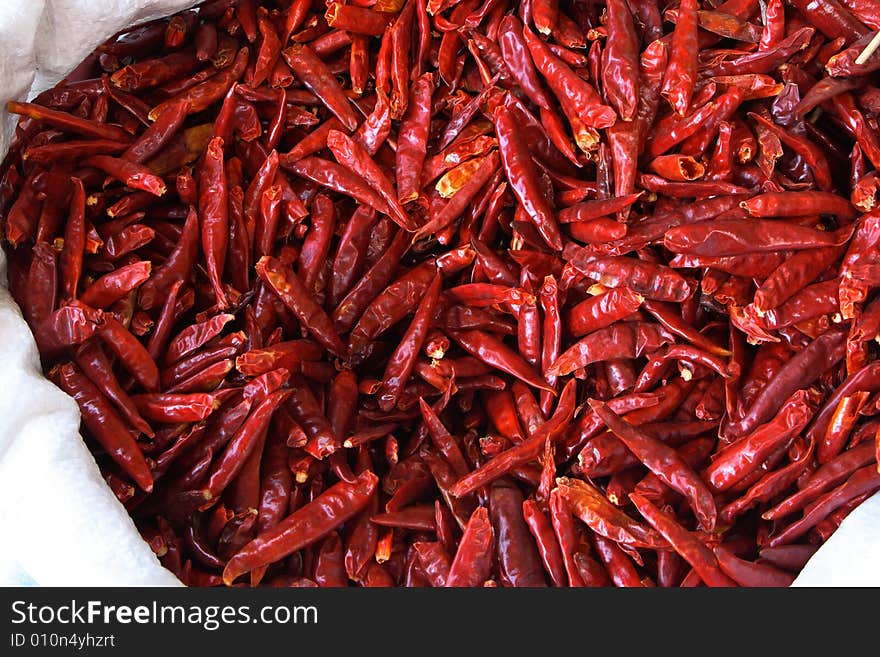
x=869, y=49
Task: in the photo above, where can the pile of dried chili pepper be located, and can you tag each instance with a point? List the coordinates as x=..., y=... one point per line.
x=466, y=292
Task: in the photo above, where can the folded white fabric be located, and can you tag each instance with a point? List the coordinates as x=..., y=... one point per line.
x=61, y=524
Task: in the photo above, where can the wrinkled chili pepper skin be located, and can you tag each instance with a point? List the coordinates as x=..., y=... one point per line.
x=590, y=288
x=524, y=182
x=519, y=61
x=412, y=146
x=688, y=547
x=734, y=462
x=401, y=363
x=213, y=214
x=541, y=528
x=620, y=75
x=663, y=462
x=304, y=526
x=318, y=78
x=678, y=83
x=473, y=560
x=294, y=295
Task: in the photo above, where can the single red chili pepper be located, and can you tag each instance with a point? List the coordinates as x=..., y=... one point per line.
x=350, y=153
x=434, y=561
x=523, y=180
x=401, y=362
x=70, y=150
x=175, y=407
x=650, y=280
x=728, y=237
x=603, y=310
x=567, y=538
x=616, y=562
x=291, y=291
x=800, y=371
x=151, y=141
x=266, y=227
x=68, y=122
x=493, y=352
x=71, y=259
x=412, y=139
x=548, y=547
x=620, y=340
x=813, y=301
x=690, y=548
x=178, y=265
x=251, y=433
x=604, y=518
x=339, y=179
x=318, y=78
x=746, y=573
x=213, y=212
x=194, y=337
x=133, y=356
x=681, y=75
x=519, y=561
x=831, y=18
x=620, y=75
x=93, y=362
x=575, y=95
x=329, y=567
x=746, y=454
x=519, y=62
x=473, y=560
x=664, y=462
x=303, y=527
x=146, y=73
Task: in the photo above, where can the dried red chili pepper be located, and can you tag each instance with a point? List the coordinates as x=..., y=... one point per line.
x=304, y=526
x=681, y=75
x=104, y=424
x=664, y=462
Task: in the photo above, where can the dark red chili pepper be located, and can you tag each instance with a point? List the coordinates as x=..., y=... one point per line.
x=351, y=154
x=689, y=547
x=294, y=295
x=213, y=213
x=303, y=527
x=746, y=454
x=746, y=573
x=104, y=424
